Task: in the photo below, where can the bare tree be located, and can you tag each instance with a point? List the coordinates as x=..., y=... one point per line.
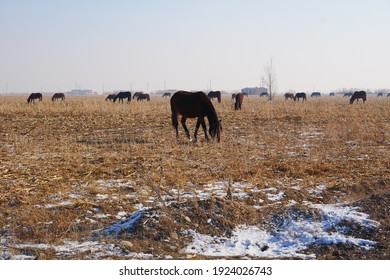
x=270, y=78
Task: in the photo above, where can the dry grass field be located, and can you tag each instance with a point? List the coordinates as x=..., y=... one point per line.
x=70, y=170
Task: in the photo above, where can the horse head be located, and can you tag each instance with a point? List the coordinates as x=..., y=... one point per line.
x=215, y=130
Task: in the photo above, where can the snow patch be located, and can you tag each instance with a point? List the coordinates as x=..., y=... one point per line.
x=292, y=235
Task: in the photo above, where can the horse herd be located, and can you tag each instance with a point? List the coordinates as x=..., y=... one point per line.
x=194, y=105
x=355, y=96
x=39, y=96
x=127, y=95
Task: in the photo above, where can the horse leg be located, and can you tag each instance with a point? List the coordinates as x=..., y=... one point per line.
x=175, y=123
x=204, y=129
x=183, y=123
x=198, y=123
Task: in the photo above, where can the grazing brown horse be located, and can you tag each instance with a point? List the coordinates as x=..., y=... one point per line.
x=167, y=94
x=123, y=95
x=111, y=97
x=300, y=95
x=239, y=99
x=58, y=96
x=357, y=95
x=289, y=96
x=195, y=105
x=215, y=94
x=34, y=96
x=143, y=96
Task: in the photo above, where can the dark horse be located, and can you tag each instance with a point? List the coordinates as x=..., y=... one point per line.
x=111, y=97
x=315, y=94
x=58, y=96
x=300, y=95
x=167, y=94
x=264, y=94
x=34, y=96
x=289, y=96
x=239, y=97
x=358, y=94
x=137, y=94
x=123, y=95
x=215, y=94
x=143, y=96
x=195, y=105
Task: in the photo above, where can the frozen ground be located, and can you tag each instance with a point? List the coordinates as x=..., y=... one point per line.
x=289, y=235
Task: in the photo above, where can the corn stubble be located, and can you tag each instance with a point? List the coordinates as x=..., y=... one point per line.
x=52, y=153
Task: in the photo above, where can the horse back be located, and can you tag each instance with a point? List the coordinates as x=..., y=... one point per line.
x=190, y=104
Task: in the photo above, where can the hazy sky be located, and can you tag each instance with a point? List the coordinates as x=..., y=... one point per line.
x=56, y=45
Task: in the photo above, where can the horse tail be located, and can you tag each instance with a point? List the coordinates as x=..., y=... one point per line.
x=175, y=123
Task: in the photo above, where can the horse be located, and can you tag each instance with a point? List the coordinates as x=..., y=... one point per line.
x=111, y=97
x=315, y=94
x=233, y=96
x=379, y=94
x=388, y=95
x=239, y=99
x=143, y=96
x=347, y=94
x=58, y=96
x=34, y=96
x=137, y=94
x=167, y=94
x=331, y=94
x=289, y=96
x=357, y=95
x=214, y=94
x=195, y=105
x=300, y=95
x=264, y=94
x=122, y=95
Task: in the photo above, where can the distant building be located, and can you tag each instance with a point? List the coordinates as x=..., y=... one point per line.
x=254, y=90
x=81, y=91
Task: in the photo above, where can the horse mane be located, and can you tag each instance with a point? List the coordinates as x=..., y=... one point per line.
x=210, y=112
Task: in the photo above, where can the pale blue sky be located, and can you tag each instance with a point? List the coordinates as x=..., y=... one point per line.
x=52, y=45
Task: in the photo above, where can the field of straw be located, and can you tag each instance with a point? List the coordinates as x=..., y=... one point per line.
x=71, y=169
